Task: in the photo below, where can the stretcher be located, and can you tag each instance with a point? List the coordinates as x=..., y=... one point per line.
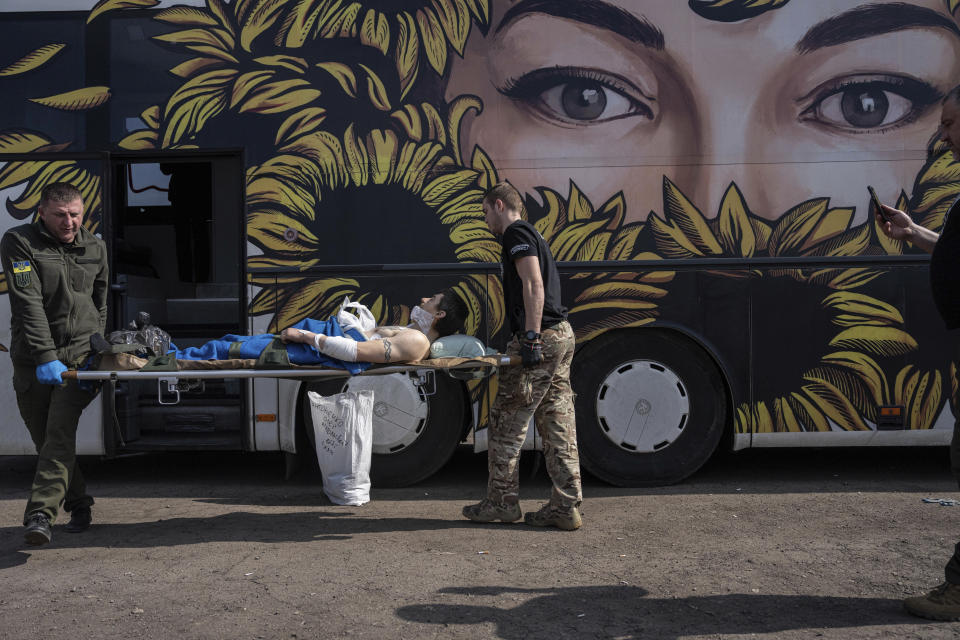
x=236, y=368
x=126, y=367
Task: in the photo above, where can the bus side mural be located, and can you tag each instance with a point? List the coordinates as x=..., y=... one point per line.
x=722, y=148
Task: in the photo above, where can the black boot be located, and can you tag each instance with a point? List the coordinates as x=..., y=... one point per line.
x=80, y=519
x=38, y=529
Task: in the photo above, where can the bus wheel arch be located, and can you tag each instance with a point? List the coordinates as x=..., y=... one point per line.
x=652, y=406
x=423, y=429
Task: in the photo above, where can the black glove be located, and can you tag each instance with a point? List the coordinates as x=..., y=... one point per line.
x=531, y=352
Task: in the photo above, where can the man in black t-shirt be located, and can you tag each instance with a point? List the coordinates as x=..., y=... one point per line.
x=943, y=602
x=540, y=389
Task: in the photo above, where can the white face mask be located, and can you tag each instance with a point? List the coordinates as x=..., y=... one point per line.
x=424, y=319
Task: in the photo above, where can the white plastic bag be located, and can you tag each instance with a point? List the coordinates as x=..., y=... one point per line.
x=343, y=430
x=355, y=314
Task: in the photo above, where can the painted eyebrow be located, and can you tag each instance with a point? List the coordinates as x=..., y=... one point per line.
x=593, y=12
x=872, y=20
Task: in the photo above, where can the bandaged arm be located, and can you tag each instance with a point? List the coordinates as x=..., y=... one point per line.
x=404, y=346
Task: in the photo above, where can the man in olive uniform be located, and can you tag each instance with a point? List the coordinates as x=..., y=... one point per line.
x=541, y=388
x=57, y=282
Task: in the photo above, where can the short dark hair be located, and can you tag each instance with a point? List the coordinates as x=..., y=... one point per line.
x=456, y=313
x=59, y=192
x=507, y=193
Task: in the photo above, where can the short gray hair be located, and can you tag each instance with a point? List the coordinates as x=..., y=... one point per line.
x=59, y=192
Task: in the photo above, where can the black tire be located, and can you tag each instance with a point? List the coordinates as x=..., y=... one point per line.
x=424, y=447
x=687, y=393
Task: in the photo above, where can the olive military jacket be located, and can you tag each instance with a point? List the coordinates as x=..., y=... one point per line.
x=58, y=294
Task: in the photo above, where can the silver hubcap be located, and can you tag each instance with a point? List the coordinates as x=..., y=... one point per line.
x=400, y=410
x=642, y=406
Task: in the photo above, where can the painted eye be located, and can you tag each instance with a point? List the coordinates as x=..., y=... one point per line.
x=871, y=105
x=577, y=96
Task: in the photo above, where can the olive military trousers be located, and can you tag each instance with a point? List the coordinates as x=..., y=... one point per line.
x=544, y=394
x=51, y=414
x=952, y=570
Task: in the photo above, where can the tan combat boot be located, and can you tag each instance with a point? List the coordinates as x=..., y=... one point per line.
x=567, y=519
x=943, y=603
x=488, y=511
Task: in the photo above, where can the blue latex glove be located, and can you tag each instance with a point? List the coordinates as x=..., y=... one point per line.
x=49, y=373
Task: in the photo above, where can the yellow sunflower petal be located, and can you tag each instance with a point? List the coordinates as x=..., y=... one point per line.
x=789, y=236
x=76, y=100
x=186, y=16
x=194, y=37
x=434, y=43
x=408, y=49
x=810, y=417
x=247, y=82
x=110, y=5
x=857, y=308
x=736, y=234
x=198, y=100
x=375, y=31
x=866, y=369
x=33, y=60
x=193, y=65
x=784, y=419
x=455, y=20
x=376, y=90
x=924, y=401
x=343, y=75
x=688, y=219
x=761, y=418
x=293, y=63
x=671, y=241
x=339, y=22
x=140, y=140
x=21, y=142
x=835, y=406
x=259, y=18
x=300, y=123
x=279, y=96
x=880, y=341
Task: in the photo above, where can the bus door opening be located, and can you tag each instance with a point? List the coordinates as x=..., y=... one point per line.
x=176, y=230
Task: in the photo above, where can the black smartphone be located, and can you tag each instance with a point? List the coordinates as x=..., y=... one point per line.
x=876, y=202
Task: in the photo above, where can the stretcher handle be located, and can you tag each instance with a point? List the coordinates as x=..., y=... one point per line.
x=71, y=374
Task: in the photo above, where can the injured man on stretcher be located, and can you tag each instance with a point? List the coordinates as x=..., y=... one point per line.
x=336, y=343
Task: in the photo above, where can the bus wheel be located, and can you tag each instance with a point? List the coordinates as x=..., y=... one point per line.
x=651, y=407
x=414, y=434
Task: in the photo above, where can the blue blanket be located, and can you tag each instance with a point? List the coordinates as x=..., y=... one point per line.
x=252, y=346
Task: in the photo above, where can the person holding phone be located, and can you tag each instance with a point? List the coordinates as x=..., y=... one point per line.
x=943, y=602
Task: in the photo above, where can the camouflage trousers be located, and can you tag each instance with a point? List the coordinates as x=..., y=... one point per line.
x=543, y=393
x=952, y=570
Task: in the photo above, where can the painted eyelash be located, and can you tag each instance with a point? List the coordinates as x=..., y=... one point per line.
x=532, y=84
x=919, y=93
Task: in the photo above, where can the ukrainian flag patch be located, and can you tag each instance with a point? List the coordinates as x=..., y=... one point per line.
x=21, y=273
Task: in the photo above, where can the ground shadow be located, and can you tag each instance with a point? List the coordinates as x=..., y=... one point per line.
x=626, y=612
x=238, y=526
x=258, y=478
x=11, y=558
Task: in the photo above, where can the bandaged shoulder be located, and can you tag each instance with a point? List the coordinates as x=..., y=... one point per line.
x=344, y=349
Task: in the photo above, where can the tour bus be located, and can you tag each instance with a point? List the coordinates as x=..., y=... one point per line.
x=699, y=169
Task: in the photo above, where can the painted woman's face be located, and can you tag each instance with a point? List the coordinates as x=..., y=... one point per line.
x=816, y=98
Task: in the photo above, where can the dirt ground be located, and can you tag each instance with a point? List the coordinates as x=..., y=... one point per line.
x=776, y=544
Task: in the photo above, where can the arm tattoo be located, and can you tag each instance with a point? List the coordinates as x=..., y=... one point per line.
x=387, y=346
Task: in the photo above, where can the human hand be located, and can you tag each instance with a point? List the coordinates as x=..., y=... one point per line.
x=49, y=373
x=894, y=223
x=531, y=352
x=293, y=335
